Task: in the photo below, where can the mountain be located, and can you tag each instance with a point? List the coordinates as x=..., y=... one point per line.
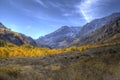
x=65, y=36
x=106, y=34
x=14, y=37
x=60, y=38
x=97, y=23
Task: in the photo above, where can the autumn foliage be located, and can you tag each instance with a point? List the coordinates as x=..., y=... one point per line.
x=8, y=50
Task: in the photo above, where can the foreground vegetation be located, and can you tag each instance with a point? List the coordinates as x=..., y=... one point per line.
x=101, y=63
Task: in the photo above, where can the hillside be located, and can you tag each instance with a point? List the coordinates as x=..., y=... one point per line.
x=108, y=33
x=14, y=37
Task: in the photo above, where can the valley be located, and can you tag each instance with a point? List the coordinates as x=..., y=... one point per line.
x=91, y=52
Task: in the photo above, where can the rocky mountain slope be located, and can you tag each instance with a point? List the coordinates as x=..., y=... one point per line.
x=60, y=38
x=97, y=23
x=107, y=33
x=14, y=37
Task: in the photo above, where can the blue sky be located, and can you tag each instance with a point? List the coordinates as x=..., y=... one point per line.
x=37, y=18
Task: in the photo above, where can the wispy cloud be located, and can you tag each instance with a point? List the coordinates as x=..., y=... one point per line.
x=71, y=12
x=86, y=8
x=19, y=7
x=55, y=4
x=41, y=3
x=83, y=12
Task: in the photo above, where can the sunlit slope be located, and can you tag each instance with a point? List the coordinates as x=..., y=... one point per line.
x=15, y=37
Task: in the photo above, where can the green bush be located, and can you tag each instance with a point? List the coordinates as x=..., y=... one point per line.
x=3, y=43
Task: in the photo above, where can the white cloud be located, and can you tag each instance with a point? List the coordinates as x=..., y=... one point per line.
x=87, y=8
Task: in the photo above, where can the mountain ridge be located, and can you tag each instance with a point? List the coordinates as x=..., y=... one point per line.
x=15, y=37
x=108, y=33
x=97, y=23
x=60, y=38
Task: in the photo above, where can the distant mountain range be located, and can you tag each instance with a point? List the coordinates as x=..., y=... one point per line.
x=60, y=38
x=67, y=36
x=102, y=30
x=14, y=37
